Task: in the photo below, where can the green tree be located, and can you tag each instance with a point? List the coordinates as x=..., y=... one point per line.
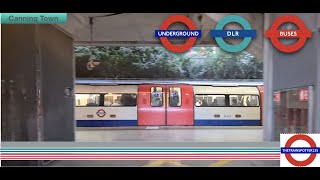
x=157, y=62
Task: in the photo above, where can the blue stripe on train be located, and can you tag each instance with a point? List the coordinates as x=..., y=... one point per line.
x=233, y=122
x=198, y=122
x=106, y=123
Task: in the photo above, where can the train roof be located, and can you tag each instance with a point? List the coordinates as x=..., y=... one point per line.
x=237, y=82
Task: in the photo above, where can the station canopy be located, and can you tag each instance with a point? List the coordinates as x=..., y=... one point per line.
x=134, y=29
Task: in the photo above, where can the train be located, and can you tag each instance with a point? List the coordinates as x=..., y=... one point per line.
x=117, y=103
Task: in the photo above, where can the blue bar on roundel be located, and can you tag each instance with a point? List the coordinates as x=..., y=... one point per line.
x=177, y=33
x=233, y=33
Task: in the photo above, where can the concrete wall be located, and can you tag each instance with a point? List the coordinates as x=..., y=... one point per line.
x=37, y=65
x=18, y=83
x=57, y=74
x=298, y=69
x=317, y=93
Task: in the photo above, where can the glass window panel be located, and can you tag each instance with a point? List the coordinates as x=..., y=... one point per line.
x=208, y=100
x=156, y=96
x=175, y=97
x=87, y=99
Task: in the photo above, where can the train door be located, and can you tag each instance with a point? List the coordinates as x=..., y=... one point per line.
x=165, y=105
x=151, y=106
x=179, y=105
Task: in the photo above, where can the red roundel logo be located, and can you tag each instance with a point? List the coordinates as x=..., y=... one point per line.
x=178, y=48
x=274, y=34
x=310, y=141
x=101, y=113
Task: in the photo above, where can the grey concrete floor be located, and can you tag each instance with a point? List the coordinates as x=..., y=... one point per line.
x=191, y=134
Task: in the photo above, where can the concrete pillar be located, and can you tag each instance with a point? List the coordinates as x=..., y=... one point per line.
x=19, y=83
x=37, y=69
x=284, y=71
x=269, y=123
x=58, y=76
x=316, y=36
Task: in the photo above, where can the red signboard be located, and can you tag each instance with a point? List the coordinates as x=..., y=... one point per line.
x=276, y=96
x=303, y=95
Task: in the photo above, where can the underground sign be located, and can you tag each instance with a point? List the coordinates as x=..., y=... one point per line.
x=191, y=34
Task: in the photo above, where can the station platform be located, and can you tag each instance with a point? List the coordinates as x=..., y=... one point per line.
x=172, y=133
x=171, y=136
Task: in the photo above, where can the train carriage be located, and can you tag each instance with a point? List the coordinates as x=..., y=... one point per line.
x=110, y=103
x=106, y=106
x=226, y=106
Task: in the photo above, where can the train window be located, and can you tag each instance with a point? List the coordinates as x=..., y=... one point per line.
x=87, y=99
x=120, y=99
x=175, y=97
x=156, y=96
x=208, y=100
x=244, y=100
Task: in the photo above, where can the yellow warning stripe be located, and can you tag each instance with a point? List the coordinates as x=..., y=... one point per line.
x=219, y=163
x=157, y=163
x=179, y=164
x=162, y=162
